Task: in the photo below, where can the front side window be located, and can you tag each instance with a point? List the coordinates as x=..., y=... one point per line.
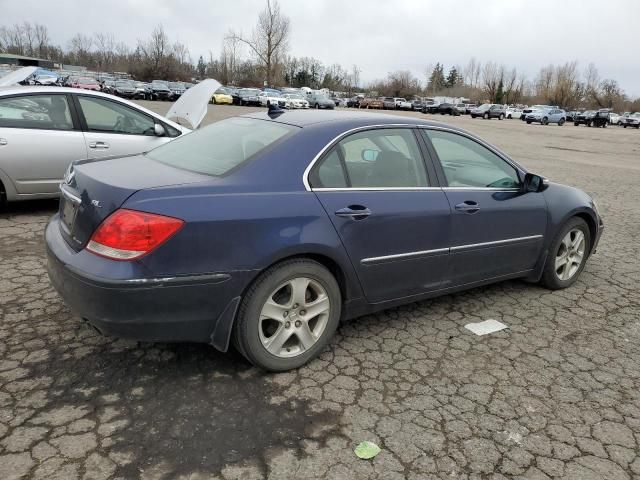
x=466, y=163
x=221, y=146
x=49, y=112
x=381, y=158
x=111, y=117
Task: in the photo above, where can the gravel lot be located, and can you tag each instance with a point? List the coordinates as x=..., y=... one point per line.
x=554, y=396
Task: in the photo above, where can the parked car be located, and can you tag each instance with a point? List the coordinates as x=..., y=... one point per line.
x=370, y=102
x=320, y=100
x=108, y=86
x=296, y=100
x=571, y=115
x=633, y=120
x=40, y=136
x=430, y=107
x=303, y=231
x=461, y=108
x=447, y=109
x=222, y=97
x=160, y=90
x=592, y=118
x=268, y=98
x=249, y=96
x=488, y=111
x=547, y=116
x=513, y=112
x=86, y=83
x=417, y=105
x=143, y=90
x=527, y=110
x=614, y=119
x=388, y=103
x=470, y=106
x=354, y=102
x=125, y=89
x=402, y=104
x=177, y=89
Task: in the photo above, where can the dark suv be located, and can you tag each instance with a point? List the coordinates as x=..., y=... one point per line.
x=592, y=118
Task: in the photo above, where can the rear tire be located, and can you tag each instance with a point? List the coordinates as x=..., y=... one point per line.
x=555, y=276
x=577, y=124
x=486, y=116
x=276, y=287
x=501, y=116
x=317, y=106
x=561, y=122
x=545, y=121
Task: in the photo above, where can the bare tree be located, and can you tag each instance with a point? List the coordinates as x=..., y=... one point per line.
x=105, y=49
x=492, y=79
x=80, y=48
x=269, y=40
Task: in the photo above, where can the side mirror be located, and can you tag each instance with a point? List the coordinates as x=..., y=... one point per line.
x=158, y=130
x=534, y=183
x=369, y=155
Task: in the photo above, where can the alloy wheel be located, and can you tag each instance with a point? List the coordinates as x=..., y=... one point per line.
x=570, y=254
x=294, y=317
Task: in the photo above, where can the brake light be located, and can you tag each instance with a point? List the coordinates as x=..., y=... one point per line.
x=130, y=234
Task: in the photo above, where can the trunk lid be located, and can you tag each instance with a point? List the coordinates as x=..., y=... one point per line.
x=192, y=104
x=93, y=189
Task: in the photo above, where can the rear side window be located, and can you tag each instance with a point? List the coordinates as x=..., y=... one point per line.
x=221, y=146
x=49, y=112
x=380, y=158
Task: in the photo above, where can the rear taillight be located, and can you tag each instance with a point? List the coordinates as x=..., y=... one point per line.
x=129, y=234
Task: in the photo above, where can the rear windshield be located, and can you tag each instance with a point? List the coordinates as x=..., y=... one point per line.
x=221, y=146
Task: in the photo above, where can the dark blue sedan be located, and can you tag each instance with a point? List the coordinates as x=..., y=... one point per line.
x=266, y=230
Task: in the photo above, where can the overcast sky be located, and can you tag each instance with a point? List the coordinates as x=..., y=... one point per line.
x=378, y=35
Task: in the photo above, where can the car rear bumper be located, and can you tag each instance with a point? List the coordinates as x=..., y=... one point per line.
x=194, y=308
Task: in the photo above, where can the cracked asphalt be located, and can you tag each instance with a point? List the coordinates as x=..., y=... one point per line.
x=554, y=396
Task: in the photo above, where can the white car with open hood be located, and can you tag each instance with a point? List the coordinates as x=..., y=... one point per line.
x=43, y=129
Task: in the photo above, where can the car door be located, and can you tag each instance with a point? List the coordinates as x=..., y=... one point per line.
x=114, y=128
x=496, y=228
x=392, y=217
x=39, y=138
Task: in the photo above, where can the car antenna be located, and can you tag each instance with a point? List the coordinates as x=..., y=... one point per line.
x=274, y=110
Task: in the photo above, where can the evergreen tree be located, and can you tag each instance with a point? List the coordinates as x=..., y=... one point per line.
x=436, y=81
x=201, y=68
x=453, y=78
x=499, y=99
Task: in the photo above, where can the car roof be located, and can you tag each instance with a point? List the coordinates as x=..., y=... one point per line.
x=342, y=119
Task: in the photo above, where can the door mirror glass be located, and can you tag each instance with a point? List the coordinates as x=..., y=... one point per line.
x=533, y=183
x=370, y=155
x=158, y=130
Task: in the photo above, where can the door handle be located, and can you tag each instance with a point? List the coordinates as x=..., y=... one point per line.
x=354, y=212
x=102, y=145
x=468, y=206
x=3, y=141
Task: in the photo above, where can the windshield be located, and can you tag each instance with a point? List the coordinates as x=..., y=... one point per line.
x=296, y=96
x=86, y=81
x=485, y=106
x=250, y=91
x=216, y=149
x=124, y=83
x=222, y=90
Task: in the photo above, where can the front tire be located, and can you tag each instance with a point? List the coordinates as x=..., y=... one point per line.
x=561, y=122
x=486, y=116
x=567, y=255
x=288, y=315
x=501, y=116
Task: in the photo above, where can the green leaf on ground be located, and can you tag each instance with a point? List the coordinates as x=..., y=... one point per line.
x=367, y=450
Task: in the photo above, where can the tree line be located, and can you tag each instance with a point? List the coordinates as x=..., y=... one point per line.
x=261, y=58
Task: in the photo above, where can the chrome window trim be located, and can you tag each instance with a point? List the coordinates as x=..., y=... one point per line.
x=330, y=144
x=408, y=255
x=489, y=147
x=483, y=189
x=305, y=174
x=377, y=189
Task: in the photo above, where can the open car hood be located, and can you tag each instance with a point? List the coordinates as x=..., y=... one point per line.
x=17, y=76
x=191, y=107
